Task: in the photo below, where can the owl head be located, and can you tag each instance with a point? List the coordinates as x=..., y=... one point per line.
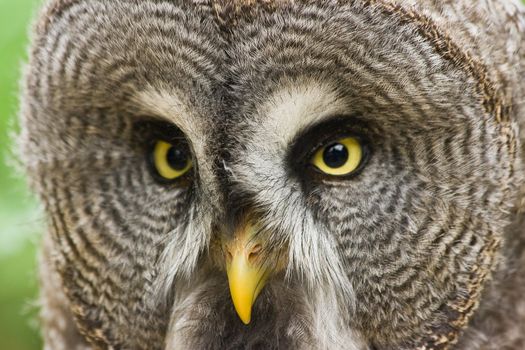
x=233, y=174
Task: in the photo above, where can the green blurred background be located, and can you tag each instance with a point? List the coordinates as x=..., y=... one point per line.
x=21, y=221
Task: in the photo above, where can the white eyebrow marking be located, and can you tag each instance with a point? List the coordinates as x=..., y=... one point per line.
x=297, y=106
x=166, y=105
x=172, y=107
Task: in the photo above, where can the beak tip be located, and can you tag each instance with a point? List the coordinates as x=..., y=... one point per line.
x=244, y=311
x=246, y=320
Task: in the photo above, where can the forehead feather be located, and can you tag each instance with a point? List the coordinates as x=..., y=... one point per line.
x=229, y=12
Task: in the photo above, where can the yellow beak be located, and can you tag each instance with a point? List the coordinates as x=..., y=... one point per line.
x=247, y=273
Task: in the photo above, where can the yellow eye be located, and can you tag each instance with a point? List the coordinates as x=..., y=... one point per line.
x=171, y=162
x=340, y=158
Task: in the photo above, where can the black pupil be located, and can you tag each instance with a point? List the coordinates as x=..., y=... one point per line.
x=335, y=156
x=177, y=158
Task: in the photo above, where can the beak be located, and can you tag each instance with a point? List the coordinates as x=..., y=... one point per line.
x=247, y=270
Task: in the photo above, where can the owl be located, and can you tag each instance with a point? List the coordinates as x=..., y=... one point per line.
x=279, y=174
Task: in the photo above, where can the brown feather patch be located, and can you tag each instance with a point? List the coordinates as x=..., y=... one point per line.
x=230, y=12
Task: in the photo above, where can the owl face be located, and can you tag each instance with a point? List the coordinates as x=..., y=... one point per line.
x=265, y=174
